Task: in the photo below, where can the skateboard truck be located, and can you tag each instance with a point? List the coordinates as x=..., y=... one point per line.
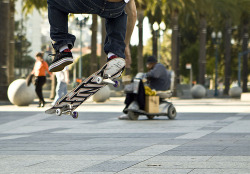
x=67, y=110
x=106, y=79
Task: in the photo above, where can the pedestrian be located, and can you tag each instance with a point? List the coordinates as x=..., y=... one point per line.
x=62, y=78
x=120, y=18
x=39, y=72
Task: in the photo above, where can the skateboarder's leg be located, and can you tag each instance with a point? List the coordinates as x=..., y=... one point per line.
x=58, y=20
x=58, y=11
x=116, y=32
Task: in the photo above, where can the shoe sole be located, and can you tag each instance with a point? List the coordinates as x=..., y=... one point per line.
x=59, y=65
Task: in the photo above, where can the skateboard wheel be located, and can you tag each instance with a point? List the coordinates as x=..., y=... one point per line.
x=117, y=84
x=75, y=115
x=58, y=112
x=99, y=80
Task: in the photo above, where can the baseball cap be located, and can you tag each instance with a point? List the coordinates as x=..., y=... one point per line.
x=151, y=59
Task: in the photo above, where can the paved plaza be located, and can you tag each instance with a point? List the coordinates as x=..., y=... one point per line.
x=208, y=136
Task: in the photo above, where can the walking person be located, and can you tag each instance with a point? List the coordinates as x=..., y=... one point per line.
x=62, y=78
x=39, y=72
x=120, y=18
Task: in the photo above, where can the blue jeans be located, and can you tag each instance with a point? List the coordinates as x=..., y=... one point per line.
x=113, y=12
x=61, y=90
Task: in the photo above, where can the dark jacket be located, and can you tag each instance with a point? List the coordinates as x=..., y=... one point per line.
x=159, y=78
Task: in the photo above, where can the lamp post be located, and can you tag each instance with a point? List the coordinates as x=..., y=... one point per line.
x=155, y=40
x=162, y=29
x=216, y=37
x=159, y=32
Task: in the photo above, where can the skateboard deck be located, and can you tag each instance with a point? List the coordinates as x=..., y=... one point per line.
x=88, y=87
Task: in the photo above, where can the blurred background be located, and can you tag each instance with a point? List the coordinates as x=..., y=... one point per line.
x=202, y=41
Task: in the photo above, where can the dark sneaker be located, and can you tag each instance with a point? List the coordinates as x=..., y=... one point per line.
x=61, y=60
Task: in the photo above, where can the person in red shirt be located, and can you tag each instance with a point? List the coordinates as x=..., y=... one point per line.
x=39, y=72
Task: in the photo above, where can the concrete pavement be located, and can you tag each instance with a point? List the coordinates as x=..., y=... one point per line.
x=208, y=136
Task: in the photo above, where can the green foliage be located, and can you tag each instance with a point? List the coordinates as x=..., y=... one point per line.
x=29, y=5
x=22, y=60
x=189, y=55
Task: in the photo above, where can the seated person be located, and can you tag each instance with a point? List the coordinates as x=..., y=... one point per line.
x=158, y=78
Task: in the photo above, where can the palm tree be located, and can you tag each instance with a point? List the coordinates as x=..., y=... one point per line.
x=245, y=37
x=4, y=45
x=228, y=13
x=141, y=7
x=237, y=13
x=12, y=42
x=172, y=9
x=200, y=10
x=203, y=8
x=244, y=34
x=221, y=16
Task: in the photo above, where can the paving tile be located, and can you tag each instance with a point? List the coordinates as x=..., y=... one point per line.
x=194, y=165
x=220, y=171
x=153, y=150
x=58, y=166
x=148, y=170
x=195, y=135
x=129, y=158
x=230, y=158
x=190, y=153
x=179, y=158
x=110, y=166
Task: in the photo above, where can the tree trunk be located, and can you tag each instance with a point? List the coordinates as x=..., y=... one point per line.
x=140, y=62
x=11, y=43
x=93, y=60
x=228, y=32
x=103, y=54
x=202, y=52
x=245, y=61
x=174, y=47
x=4, y=45
x=178, y=60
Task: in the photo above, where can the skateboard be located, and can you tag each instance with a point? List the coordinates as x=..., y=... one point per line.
x=88, y=87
